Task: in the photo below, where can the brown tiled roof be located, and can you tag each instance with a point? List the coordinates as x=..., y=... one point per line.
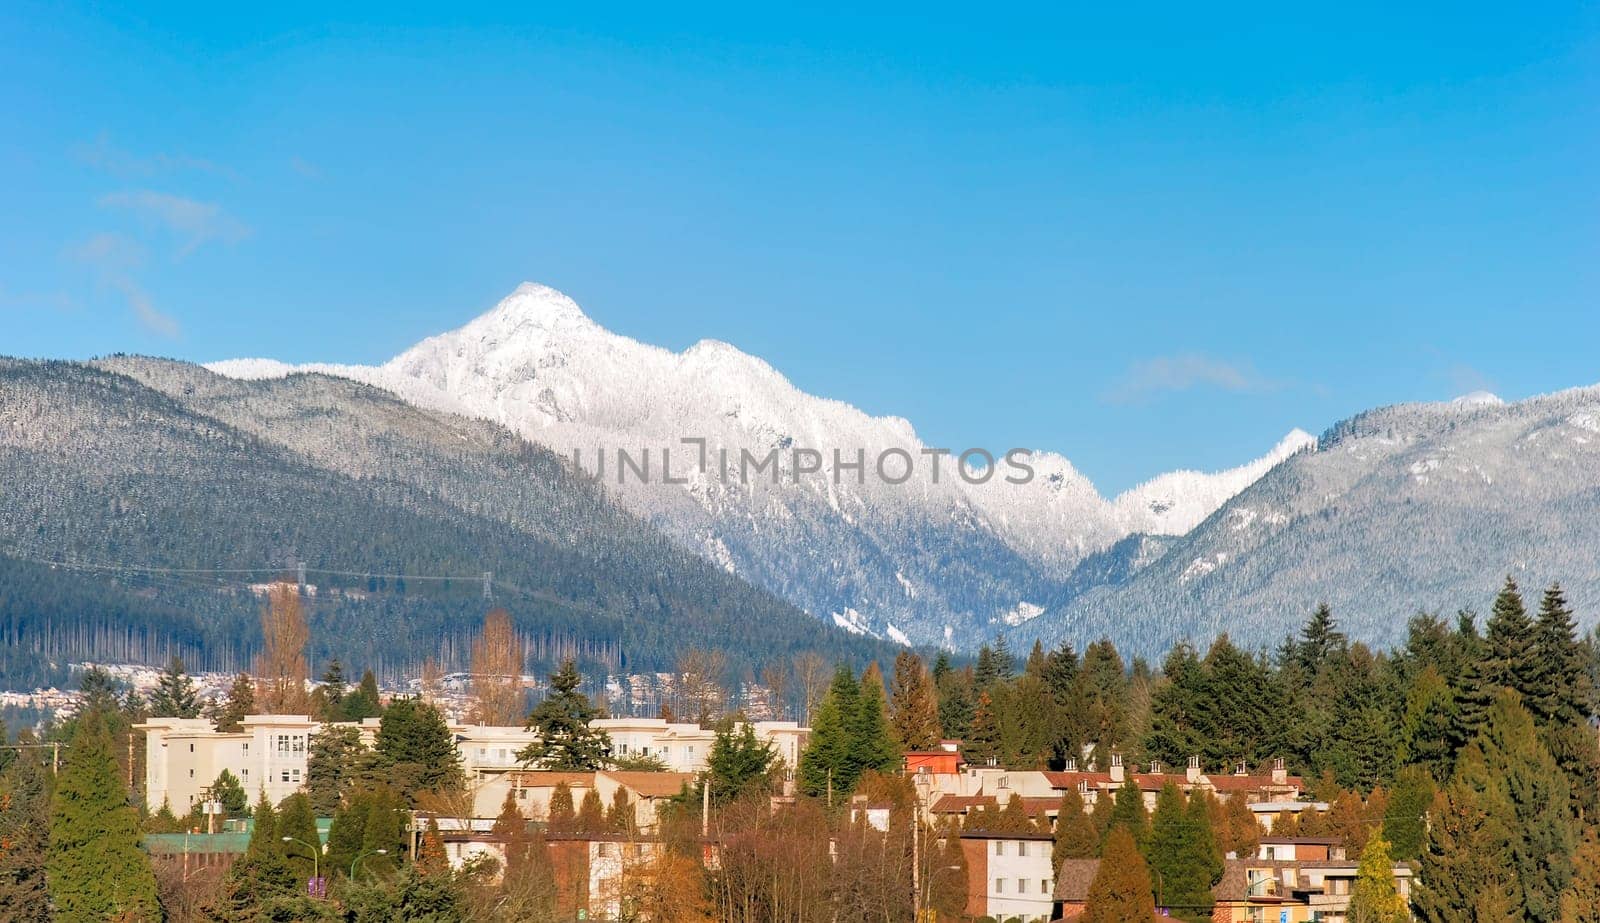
x=1152, y=782
x=1074, y=877
x=959, y=804
x=652, y=784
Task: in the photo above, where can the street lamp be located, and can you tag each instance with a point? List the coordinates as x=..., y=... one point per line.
x=357, y=859
x=316, y=855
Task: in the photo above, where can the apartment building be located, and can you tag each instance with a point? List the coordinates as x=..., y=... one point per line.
x=184, y=756
x=1009, y=875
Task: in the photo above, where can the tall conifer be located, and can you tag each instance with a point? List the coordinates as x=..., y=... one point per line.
x=95, y=868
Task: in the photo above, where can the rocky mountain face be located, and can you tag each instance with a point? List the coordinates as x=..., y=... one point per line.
x=930, y=559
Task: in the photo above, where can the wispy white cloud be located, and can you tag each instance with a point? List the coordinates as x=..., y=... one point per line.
x=113, y=259
x=194, y=221
x=26, y=300
x=103, y=155
x=1148, y=378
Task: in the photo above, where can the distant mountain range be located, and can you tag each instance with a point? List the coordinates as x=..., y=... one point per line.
x=480, y=449
x=1416, y=507
x=933, y=560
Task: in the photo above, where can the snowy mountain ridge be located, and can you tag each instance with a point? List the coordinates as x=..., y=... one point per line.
x=934, y=559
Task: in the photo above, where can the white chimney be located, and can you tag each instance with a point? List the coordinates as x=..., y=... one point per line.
x=1280, y=775
x=1117, y=773
x=1193, y=772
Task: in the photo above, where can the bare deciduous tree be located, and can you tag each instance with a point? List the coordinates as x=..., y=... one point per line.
x=811, y=676
x=497, y=697
x=281, y=669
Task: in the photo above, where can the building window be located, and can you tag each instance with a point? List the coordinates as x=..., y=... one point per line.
x=1022, y=848
x=1022, y=886
x=283, y=743
x=999, y=886
x=606, y=850
x=999, y=847
x=299, y=744
x=1044, y=886
x=296, y=774
x=286, y=775
x=245, y=773
x=191, y=773
x=191, y=748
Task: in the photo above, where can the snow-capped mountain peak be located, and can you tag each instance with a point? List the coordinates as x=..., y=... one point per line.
x=852, y=544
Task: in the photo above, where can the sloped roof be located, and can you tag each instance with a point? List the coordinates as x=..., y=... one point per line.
x=651, y=784
x=1074, y=877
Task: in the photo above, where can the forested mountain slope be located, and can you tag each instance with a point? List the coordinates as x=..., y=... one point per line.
x=147, y=462
x=1400, y=509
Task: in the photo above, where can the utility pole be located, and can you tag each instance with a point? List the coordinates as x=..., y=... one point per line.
x=705, y=809
x=488, y=584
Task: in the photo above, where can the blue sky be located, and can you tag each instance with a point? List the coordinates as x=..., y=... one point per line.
x=1147, y=238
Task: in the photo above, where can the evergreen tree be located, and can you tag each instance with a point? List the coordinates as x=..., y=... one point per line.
x=560, y=816
x=239, y=704
x=25, y=835
x=1183, y=850
x=591, y=813
x=415, y=749
x=740, y=763
x=94, y=866
x=1497, y=828
x=1405, y=820
x=175, y=695
x=871, y=745
x=567, y=742
x=983, y=736
x=296, y=821
x=1005, y=662
x=365, y=702
x=956, y=702
x=1375, y=899
x=914, y=705
x=1427, y=724
x=621, y=815
x=1581, y=903
x=1561, y=693
x=1120, y=892
x=1103, y=692
x=348, y=831
x=1562, y=700
x=1320, y=641
x=1510, y=660
x=1075, y=834
x=384, y=828
x=260, y=880
x=327, y=700
x=986, y=673
x=333, y=763
x=828, y=768
x=100, y=692
x=1128, y=813
x=227, y=790
x=1175, y=708
x=528, y=886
